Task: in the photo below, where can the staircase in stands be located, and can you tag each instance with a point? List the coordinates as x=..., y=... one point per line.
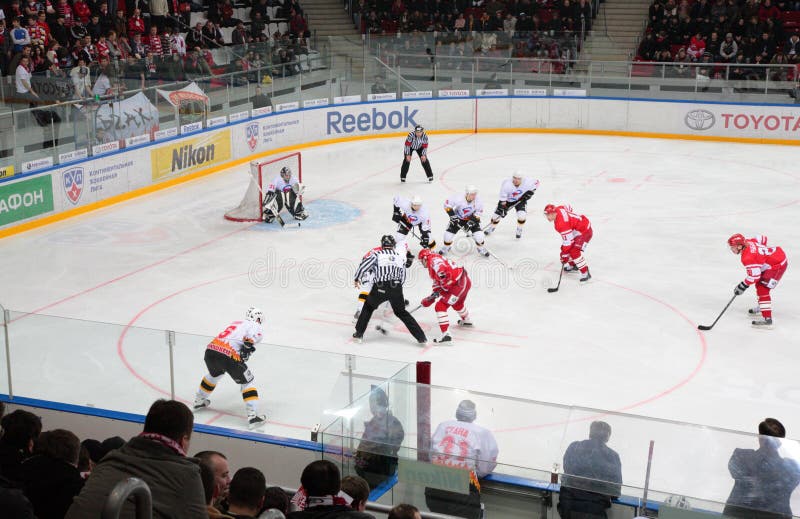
x=617, y=30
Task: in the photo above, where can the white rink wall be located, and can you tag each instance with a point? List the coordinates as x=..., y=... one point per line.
x=64, y=190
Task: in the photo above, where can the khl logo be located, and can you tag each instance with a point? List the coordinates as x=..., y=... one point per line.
x=375, y=120
x=251, y=135
x=73, y=184
x=700, y=120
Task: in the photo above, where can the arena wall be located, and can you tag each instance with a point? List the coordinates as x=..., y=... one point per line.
x=32, y=199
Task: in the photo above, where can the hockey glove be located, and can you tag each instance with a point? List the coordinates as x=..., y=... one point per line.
x=424, y=240
x=405, y=225
x=396, y=215
x=740, y=288
x=502, y=209
x=455, y=220
x=428, y=301
x=409, y=259
x=246, y=351
x=564, y=258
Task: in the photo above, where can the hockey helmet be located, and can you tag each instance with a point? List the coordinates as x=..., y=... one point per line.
x=254, y=314
x=416, y=201
x=471, y=190
x=518, y=174
x=286, y=173
x=423, y=256
x=550, y=209
x=736, y=240
x=388, y=241
x=419, y=128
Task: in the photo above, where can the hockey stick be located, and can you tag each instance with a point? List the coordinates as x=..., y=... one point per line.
x=706, y=328
x=503, y=263
x=560, y=274
x=415, y=309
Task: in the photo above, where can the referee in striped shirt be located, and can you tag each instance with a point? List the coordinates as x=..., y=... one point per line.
x=389, y=270
x=417, y=140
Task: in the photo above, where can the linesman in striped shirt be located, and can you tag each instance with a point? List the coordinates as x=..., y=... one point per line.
x=388, y=266
x=417, y=140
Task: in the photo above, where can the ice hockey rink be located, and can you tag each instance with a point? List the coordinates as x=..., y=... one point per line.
x=661, y=210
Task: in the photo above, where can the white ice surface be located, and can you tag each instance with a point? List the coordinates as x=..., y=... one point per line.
x=661, y=211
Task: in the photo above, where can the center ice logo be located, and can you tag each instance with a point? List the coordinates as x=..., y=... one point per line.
x=251, y=135
x=73, y=184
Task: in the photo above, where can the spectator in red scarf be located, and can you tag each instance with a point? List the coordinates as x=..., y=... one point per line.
x=153, y=43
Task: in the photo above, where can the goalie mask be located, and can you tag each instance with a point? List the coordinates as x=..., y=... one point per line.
x=286, y=174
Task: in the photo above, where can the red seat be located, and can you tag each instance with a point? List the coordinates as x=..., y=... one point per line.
x=643, y=70
x=545, y=15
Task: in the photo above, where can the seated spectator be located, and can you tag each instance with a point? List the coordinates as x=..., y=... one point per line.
x=321, y=482
x=766, y=47
x=298, y=26
x=246, y=496
x=781, y=71
x=20, y=431
x=763, y=480
x=241, y=36
x=697, y=47
x=682, y=61
x=792, y=49
x=81, y=80
x=209, y=488
x=728, y=49
x=50, y=478
x=90, y=455
x=226, y=9
x=358, y=490
x=767, y=11
x=404, y=512
x=120, y=23
x=222, y=475
x=275, y=499
x=157, y=456
x=592, y=475
x=194, y=38
x=212, y=36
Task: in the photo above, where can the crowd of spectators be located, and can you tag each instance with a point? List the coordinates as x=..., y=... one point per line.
x=51, y=474
x=693, y=34
x=548, y=29
x=88, y=48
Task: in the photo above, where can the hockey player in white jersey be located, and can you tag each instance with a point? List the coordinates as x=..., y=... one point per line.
x=514, y=194
x=228, y=353
x=463, y=444
x=465, y=213
x=410, y=214
x=285, y=190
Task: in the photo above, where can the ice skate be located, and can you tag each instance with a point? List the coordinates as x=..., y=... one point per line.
x=754, y=311
x=570, y=269
x=445, y=338
x=519, y=233
x=489, y=230
x=430, y=180
x=483, y=251
x=359, y=339
x=465, y=322
x=585, y=277
x=201, y=403
x=256, y=420
x=763, y=323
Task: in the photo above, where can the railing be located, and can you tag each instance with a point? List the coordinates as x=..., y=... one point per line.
x=68, y=126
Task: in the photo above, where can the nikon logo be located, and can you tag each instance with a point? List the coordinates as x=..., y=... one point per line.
x=188, y=156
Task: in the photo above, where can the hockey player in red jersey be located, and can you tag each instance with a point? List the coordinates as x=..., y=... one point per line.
x=576, y=233
x=765, y=266
x=451, y=285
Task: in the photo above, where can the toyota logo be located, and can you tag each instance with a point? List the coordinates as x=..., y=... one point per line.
x=699, y=120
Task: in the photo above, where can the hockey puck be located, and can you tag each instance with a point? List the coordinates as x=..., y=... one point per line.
x=381, y=329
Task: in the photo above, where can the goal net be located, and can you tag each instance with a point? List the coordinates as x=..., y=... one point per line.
x=262, y=173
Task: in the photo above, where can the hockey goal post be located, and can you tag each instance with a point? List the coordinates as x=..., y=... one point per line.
x=262, y=172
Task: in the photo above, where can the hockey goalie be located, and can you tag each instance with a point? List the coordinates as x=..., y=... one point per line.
x=284, y=191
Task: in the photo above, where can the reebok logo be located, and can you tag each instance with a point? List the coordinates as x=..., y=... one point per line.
x=374, y=120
